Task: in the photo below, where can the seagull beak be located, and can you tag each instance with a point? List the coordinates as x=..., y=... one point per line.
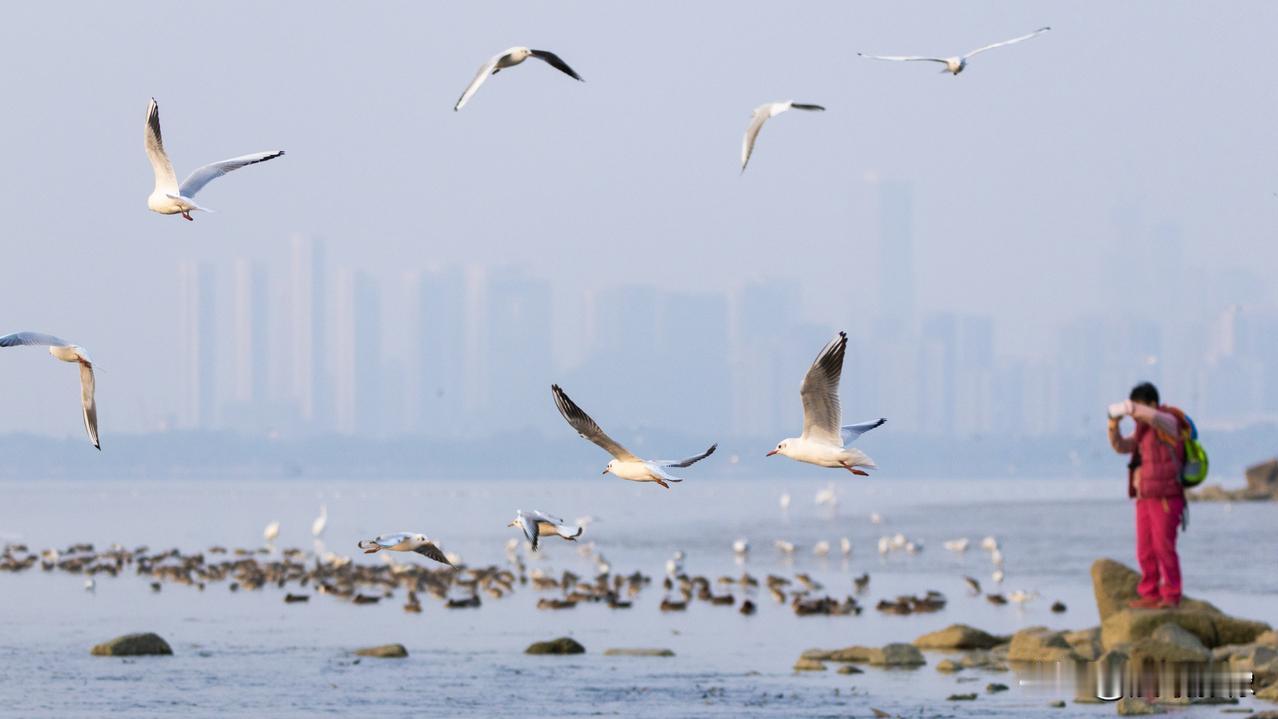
x=605, y=471
x=769, y=454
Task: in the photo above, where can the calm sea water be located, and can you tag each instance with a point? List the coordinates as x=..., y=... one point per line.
x=249, y=654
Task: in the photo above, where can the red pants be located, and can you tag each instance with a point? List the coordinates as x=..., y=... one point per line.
x=1157, y=520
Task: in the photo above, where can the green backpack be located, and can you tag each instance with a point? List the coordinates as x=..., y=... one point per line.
x=1194, y=470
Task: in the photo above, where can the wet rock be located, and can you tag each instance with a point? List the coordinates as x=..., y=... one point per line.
x=850, y=669
x=957, y=636
x=1262, y=479
x=899, y=655
x=133, y=645
x=948, y=666
x=961, y=697
x=1040, y=644
x=977, y=659
x=385, y=651
x=1135, y=706
x=562, y=645
x=1058, y=704
x=1085, y=643
x=809, y=665
x=995, y=688
x=1268, y=638
x=1058, y=607
x=1169, y=643
x=639, y=652
x=1254, y=658
x=1212, y=627
x=1269, y=694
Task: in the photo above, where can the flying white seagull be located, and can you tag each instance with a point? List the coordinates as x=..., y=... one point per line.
x=511, y=58
x=272, y=531
x=537, y=524
x=67, y=352
x=624, y=464
x=170, y=198
x=404, y=542
x=761, y=115
x=823, y=441
x=955, y=65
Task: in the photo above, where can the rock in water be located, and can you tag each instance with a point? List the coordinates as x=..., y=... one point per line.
x=809, y=665
x=948, y=666
x=385, y=651
x=899, y=655
x=1058, y=704
x=562, y=645
x=850, y=669
x=133, y=645
x=957, y=636
x=995, y=688
x=1058, y=606
x=1170, y=643
x=638, y=652
x=961, y=697
x=1135, y=706
x=1040, y=644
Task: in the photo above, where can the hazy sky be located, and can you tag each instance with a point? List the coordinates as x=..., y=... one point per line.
x=1164, y=110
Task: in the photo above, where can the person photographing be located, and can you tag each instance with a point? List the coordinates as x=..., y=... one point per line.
x=1154, y=481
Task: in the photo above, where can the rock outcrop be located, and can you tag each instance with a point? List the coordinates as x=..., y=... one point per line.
x=385, y=651
x=1114, y=584
x=562, y=645
x=957, y=636
x=639, y=652
x=1262, y=484
x=889, y=655
x=133, y=645
x=1040, y=644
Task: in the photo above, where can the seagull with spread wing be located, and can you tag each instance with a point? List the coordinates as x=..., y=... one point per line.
x=624, y=464
x=955, y=65
x=537, y=524
x=67, y=352
x=761, y=115
x=405, y=542
x=170, y=198
x=823, y=441
x=511, y=58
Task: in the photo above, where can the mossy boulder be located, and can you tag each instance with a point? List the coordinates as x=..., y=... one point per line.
x=133, y=645
x=562, y=645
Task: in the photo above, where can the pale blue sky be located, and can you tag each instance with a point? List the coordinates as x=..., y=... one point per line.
x=1018, y=165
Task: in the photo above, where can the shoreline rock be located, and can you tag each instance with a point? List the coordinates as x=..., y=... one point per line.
x=897, y=654
x=958, y=636
x=562, y=645
x=385, y=651
x=1262, y=485
x=637, y=652
x=141, y=644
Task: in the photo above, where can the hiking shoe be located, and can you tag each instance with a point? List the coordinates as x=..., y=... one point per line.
x=1145, y=603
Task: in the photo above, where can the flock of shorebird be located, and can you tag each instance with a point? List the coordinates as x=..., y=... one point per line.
x=824, y=442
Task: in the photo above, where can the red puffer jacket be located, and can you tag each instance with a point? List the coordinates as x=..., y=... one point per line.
x=1160, y=465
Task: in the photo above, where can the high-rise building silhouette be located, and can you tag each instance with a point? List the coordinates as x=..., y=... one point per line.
x=249, y=339
x=896, y=259
x=357, y=374
x=519, y=363
x=436, y=375
x=308, y=348
x=198, y=348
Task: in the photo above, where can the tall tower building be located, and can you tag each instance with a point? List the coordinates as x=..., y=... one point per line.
x=439, y=339
x=198, y=350
x=896, y=259
x=306, y=293
x=250, y=332
x=357, y=376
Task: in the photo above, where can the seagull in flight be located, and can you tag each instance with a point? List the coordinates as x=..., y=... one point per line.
x=823, y=441
x=537, y=524
x=955, y=65
x=760, y=116
x=170, y=198
x=67, y=352
x=511, y=58
x=624, y=464
x=404, y=542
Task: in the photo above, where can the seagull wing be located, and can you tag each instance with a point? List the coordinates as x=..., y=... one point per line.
x=542, y=516
x=820, y=393
x=554, y=61
x=586, y=426
x=430, y=550
x=532, y=530
x=807, y=106
x=852, y=431
x=18, y=339
x=980, y=50
x=761, y=115
x=905, y=58
x=165, y=180
x=484, y=71
x=90, y=406
x=690, y=460
x=208, y=173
